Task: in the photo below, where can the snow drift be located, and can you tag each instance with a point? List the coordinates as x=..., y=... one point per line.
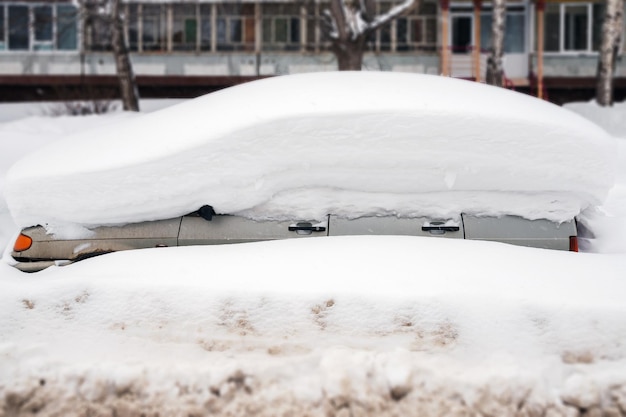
x=303, y=146
x=369, y=325
x=341, y=326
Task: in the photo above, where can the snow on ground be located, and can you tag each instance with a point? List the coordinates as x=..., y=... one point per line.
x=339, y=326
x=349, y=144
x=375, y=325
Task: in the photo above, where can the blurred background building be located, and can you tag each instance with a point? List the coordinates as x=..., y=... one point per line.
x=52, y=50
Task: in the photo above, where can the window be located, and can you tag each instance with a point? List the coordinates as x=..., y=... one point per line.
x=418, y=30
x=462, y=31
x=513, y=33
x=598, y=10
x=573, y=27
x=315, y=39
x=2, y=26
x=153, y=32
x=235, y=27
x=384, y=38
x=18, y=28
x=576, y=34
x=185, y=27
x=281, y=27
x=38, y=27
x=206, y=27
x=99, y=34
x=552, y=24
x=381, y=40
x=402, y=35
x=146, y=27
x=197, y=26
x=228, y=33
x=42, y=27
x=514, y=36
x=66, y=34
x=132, y=22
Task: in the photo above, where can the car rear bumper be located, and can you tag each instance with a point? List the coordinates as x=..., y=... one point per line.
x=37, y=266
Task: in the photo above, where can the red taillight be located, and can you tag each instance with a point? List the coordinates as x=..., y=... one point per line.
x=22, y=243
x=573, y=243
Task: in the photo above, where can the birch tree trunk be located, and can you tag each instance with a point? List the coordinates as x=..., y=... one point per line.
x=609, y=49
x=125, y=75
x=495, y=70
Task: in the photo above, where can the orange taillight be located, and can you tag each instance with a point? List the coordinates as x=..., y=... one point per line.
x=573, y=243
x=22, y=243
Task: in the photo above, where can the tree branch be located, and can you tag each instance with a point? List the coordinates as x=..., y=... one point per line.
x=368, y=10
x=337, y=13
x=393, y=13
x=329, y=26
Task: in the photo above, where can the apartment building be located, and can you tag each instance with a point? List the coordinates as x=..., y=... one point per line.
x=61, y=49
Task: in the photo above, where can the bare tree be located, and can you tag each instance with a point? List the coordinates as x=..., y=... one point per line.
x=609, y=49
x=348, y=23
x=495, y=70
x=109, y=14
x=128, y=85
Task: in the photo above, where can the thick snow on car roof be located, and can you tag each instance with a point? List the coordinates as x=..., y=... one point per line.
x=303, y=146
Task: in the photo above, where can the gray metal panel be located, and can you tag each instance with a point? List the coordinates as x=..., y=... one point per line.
x=389, y=226
x=154, y=229
x=516, y=230
x=233, y=229
x=102, y=240
x=34, y=266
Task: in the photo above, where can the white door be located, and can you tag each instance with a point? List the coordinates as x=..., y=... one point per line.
x=461, y=44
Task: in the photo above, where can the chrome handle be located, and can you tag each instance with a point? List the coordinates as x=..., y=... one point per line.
x=306, y=227
x=432, y=228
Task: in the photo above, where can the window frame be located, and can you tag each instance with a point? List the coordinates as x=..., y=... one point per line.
x=35, y=43
x=232, y=27
x=29, y=36
x=154, y=24
x=563, y=28
x=562, y=51
x=293, y=21
x=61, y=19
x=189, y=13
x=399, y=35
x=511, y=11
x=44, y=44
x=3, y=29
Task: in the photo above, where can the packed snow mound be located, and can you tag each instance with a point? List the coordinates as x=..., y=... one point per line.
x=424, y=327
x=303, y=146
x=610, y=118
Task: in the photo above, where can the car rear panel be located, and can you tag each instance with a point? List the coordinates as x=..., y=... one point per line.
x=519, y=231
x=47, y=247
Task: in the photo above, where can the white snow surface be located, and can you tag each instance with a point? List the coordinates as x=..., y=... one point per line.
x=301, y=147
x=363, y=325
x=288, y=326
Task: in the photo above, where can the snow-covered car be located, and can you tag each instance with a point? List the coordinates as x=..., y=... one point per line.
x=316, y=154
x=35, y=249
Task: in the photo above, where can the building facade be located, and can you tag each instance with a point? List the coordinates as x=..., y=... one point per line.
x=61, y=49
